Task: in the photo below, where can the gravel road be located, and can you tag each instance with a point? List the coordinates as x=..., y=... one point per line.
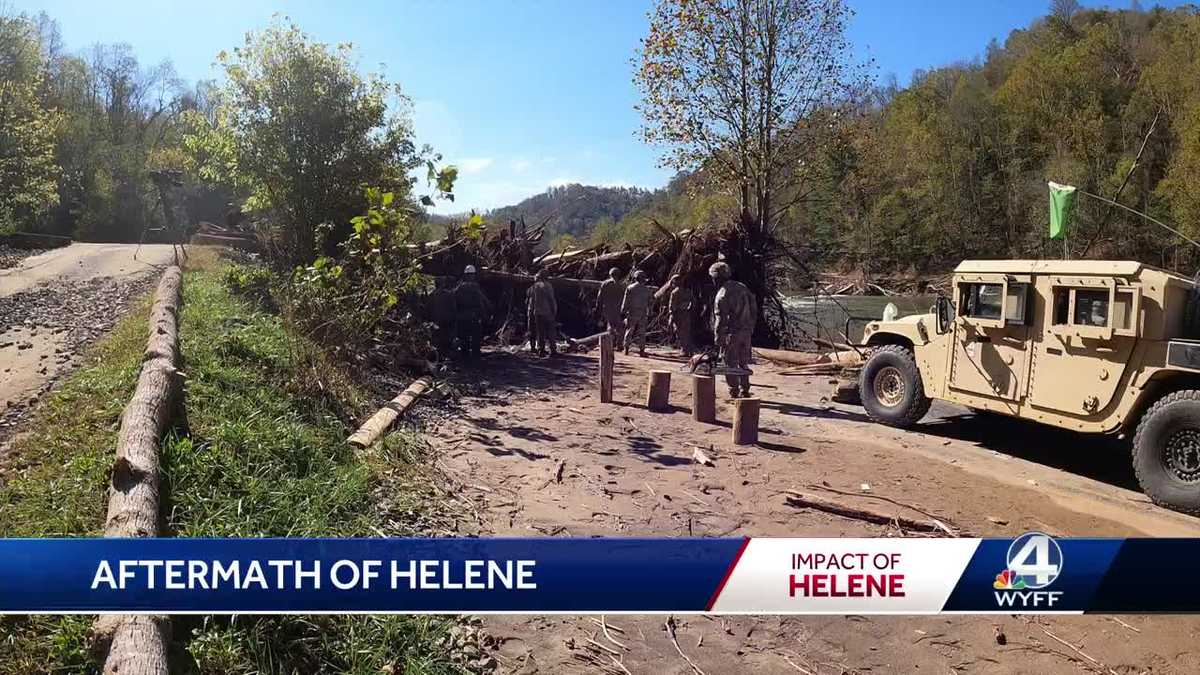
x=54, y=304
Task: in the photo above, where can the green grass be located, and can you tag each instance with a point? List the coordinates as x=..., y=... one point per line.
x=261, y=453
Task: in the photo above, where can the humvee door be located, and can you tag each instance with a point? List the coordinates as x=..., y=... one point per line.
x=991, y=335
x=1085, y=336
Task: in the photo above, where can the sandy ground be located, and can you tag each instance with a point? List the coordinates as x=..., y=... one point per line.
x=53, y=304
x=629, y=471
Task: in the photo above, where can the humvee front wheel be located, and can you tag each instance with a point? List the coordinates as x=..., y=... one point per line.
x=891, y=389
x=1166, y=451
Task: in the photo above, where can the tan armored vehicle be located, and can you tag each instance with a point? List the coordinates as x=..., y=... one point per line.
x=1096, y=346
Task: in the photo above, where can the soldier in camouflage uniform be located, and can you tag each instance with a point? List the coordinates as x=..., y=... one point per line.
x=608, y=305
x=440, y=308
x=734, y=313
x=471, y=305
x=543, y=308
x=636, y=309
x=681, y=304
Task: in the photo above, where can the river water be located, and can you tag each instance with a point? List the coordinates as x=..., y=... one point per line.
x=826, y=315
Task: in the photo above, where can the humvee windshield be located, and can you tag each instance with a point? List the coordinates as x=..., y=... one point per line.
x=982, y=301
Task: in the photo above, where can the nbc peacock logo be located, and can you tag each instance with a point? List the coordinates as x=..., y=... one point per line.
x=1008, y=580
x=1034, y=560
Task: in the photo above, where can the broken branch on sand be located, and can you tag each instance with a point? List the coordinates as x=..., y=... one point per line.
x=935, y=519
x=802, y=500
x=670, y=624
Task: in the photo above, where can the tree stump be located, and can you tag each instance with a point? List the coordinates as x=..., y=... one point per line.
x=745, y=421
x=704, y=398
x=658, y=390
x=606, y=367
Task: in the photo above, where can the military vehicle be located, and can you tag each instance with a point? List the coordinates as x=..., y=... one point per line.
x=1105, y=347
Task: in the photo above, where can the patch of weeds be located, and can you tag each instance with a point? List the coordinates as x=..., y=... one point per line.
x=266, y=456
x=263, y=456
x=252, y=282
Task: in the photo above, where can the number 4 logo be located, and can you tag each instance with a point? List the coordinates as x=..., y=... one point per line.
x=1036, y=558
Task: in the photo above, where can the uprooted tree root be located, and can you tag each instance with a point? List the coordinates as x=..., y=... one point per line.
x=508, y=263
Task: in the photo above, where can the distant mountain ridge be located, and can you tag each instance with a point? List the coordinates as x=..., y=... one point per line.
x=573, y=209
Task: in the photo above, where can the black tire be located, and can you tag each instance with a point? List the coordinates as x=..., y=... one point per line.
x=910, y=402
x=1166, y=451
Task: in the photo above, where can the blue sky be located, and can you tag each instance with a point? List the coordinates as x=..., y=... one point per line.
x=521, y=94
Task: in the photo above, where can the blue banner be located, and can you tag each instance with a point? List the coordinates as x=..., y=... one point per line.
x=1032, y=573
x=361, y=575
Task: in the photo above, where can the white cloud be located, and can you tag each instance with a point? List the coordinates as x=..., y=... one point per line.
x=474, y=164
x=520, y=165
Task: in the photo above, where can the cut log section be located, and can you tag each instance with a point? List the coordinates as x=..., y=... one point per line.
x=138, y=644
x=704, y=398
x=607, y=359
x=382, y=420
x=658, y=390
x=745, y=421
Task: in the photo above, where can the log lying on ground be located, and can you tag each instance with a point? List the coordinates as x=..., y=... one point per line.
x=138, y=644
x=806, y=359
x=370, y=432
x=514, y=279
x=801, y=500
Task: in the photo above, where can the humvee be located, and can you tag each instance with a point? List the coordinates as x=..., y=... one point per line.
x=1106, y=347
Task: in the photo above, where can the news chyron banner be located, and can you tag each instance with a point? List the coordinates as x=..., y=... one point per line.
x=1030, y=573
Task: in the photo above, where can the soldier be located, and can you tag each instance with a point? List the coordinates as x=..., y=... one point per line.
x=608, y=305
x=470, y=305
x=543, y=308
x=734, y=312
x=441, y=311
x=681, y=304
x=636, y=309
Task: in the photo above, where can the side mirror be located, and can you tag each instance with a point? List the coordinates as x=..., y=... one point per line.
x=945, y=314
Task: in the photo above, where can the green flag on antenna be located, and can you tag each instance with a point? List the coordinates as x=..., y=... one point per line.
x=1062, y=207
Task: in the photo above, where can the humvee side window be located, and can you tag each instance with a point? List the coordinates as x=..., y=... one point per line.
x=1062, y=306
x=1091, y=308
x=981, y=301
x=1122, y=311
x=1014, y=309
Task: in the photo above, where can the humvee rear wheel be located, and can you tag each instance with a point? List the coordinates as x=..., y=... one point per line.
x=1166, y=451
x=891, y=388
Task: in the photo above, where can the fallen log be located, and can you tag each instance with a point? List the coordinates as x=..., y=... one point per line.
x=846, y=358
x=138, y=644
x=374, y=427
x=802, y=500
x=515, y=279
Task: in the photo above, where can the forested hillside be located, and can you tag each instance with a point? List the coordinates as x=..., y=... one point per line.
x=572, y=211
x=956, y=165
x=80, y=132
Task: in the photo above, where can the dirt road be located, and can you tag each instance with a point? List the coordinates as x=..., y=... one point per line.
x=53, y=304
x=628, y=471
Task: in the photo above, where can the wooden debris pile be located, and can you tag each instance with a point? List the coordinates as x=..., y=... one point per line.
x=508, y=259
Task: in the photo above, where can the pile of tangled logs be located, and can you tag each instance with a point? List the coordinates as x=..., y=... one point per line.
x=508, y=259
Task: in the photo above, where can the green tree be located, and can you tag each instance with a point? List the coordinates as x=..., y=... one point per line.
x=302, y=134
x=746, y=90
x=28, y=172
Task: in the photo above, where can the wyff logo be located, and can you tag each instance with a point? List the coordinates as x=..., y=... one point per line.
x=1033, y=562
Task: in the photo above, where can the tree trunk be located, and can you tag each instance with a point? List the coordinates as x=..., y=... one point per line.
x=138, y=644
x=745, y=421
x=374, y=427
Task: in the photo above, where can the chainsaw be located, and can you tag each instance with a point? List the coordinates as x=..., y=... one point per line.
x=709, y=363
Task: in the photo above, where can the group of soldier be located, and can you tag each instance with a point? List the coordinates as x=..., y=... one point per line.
x=626, y=311
x=458, y=314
